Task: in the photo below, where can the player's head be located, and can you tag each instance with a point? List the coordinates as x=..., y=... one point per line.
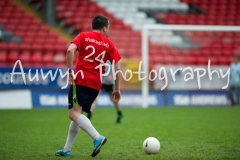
x=235, y=59
x=101, y=23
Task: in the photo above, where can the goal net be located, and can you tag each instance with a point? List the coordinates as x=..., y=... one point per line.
x=194, y=56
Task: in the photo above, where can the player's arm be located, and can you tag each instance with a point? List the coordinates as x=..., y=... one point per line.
x=116, y=95
x=118, y=76
x=69, y=56
x=115, y=60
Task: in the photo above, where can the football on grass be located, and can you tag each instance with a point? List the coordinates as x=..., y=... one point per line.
x=151, y=145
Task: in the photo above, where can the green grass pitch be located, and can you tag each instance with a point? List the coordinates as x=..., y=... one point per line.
x=184, y=133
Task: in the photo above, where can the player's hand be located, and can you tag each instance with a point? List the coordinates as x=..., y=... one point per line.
x=70, y=79
x=116, y=96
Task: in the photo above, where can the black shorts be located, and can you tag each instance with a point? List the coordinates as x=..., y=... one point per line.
x=81, y=96
x=107, y=87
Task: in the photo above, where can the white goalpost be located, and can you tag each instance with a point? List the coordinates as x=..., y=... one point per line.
x=145, y=54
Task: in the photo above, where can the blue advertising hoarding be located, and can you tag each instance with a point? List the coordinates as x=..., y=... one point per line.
x=59, y=98
x=50, y=98
x=197, y=98
x=30, y=78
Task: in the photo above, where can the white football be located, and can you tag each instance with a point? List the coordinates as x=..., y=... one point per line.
x=151, y=145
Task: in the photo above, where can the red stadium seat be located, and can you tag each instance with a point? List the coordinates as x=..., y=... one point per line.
x=206, y=52
x=153, y=51
x=174, y=52
x=192, y=60
x=157, y=59
x=213, y=59
x=52, y=35
x=48, y=57
x=37, y=47
x=184, y=52
x=216, y=52
x=36, y=22
x=3, y=56
x=19, y=33
x=61, y=41
x=25, y=57
x=25, y=47
x=202, y=60
x=39, y=40
x=10, y=27
x=13, y=46
x=195, y=52
x=60, y=48
x=226, y=52
x=43, y=28
x=3, y=46
x=180, y=60
x=13, y=56
x=223, y=61
x=169, y=59
x=48, y=47
x=42, y=34
x=37, y=57
x=30, y=34
x=33, y=28
x=3, y=20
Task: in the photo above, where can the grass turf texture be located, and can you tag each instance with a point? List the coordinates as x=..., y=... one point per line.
x=184, y=133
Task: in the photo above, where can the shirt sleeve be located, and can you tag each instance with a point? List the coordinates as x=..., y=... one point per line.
x=77, y=41
x=114, y=55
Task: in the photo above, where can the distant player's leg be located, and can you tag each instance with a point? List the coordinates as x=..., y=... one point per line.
x=230, y=95
x=119, y=113
x=109, y=89
x=238, y=95
x=72, y=134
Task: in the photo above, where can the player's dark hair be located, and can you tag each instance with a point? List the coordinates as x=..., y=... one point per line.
x=236, y=57
x=99, y=22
